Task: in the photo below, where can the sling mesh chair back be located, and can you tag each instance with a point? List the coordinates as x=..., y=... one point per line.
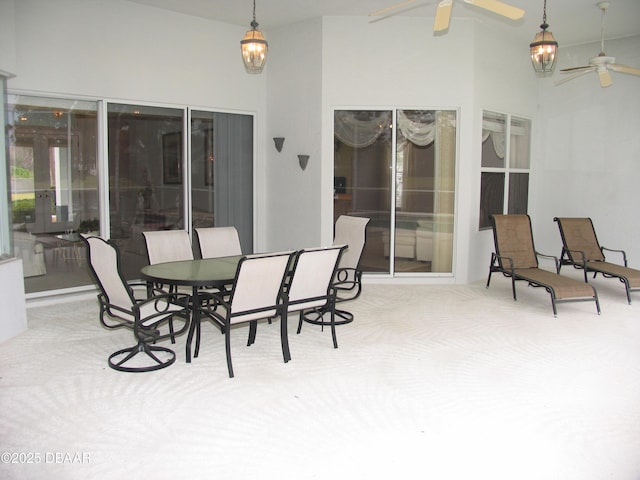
x=218, y=242
x=168, y=246
x=311, y=284
x=515, y=257
x=257, y=293
x=581, y=249
x=146, y=316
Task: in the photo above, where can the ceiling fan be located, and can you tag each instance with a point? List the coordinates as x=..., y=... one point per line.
x=443, y=11
x=600, y=64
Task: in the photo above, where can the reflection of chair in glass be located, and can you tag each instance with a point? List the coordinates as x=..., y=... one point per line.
x=218, y=242
x=582, y=250
x=311, y=284
x=257, y=293
x=120, y=308
x=31, y=252
x=516, y=257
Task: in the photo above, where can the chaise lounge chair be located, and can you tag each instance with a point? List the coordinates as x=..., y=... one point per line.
x=582, y=250
x=516, y=257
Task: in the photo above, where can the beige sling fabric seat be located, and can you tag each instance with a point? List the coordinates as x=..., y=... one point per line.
x=516, y=257
x=582, y=250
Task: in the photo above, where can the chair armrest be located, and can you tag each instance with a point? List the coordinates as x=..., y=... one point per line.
x=502, y=260
x=550, y=257
x=624, y=254
x=577, y=253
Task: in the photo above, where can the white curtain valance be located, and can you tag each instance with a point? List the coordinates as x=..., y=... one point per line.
x=360, y=128
x=498, y=136
x=363, y=128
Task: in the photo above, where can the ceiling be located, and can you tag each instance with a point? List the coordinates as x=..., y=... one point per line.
x=571, y=21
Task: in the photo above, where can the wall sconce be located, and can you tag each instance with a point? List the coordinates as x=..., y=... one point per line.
x=303, y=160
x=279, y=141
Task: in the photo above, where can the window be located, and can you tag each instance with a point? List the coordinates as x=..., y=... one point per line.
x=505, y=165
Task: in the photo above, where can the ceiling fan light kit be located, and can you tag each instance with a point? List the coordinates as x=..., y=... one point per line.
x=544, y=47
x=602, y=63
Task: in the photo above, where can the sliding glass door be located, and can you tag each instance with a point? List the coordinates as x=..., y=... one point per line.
x=56, y=175
x=222, y=172
x=54, y=187
x=397, y=167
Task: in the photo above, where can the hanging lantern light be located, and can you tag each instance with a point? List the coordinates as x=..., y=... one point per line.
x=544, y=47
x=254, y=47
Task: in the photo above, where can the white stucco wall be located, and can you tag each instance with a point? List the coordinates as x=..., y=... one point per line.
x=589, y=151
x=294, y=104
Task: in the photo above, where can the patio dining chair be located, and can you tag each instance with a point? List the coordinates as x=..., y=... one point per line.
x=516, y=258
x=119, y=307
x=218, y=242
x=168, y=246
x=581, y=249
x=311, y=284
x=349, y=231
x=257, y=293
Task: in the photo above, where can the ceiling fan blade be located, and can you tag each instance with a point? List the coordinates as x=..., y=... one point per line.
x=575, y=69
x=575, y=75
x=616, y=67
x=509, y=11
x=605, y=77
x=443, y=15
x=385, y=10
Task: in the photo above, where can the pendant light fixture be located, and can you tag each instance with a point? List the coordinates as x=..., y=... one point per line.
x=544, y=47
x=254, y=47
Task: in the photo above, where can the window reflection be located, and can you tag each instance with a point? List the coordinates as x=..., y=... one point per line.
x=145, y=177
x=53, y=188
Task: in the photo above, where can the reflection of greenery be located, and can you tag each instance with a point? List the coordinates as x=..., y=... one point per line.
x=22, y=208
x=89, y=226
x=19, y=172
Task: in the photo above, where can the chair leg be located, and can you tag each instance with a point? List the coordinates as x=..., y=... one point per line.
x=301, y=316
x=284, y=337
x=333, y=328
x=253, y=327
x=227, y=344
x=172, y=334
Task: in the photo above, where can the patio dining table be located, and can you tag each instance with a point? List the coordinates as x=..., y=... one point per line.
x=197, y=274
